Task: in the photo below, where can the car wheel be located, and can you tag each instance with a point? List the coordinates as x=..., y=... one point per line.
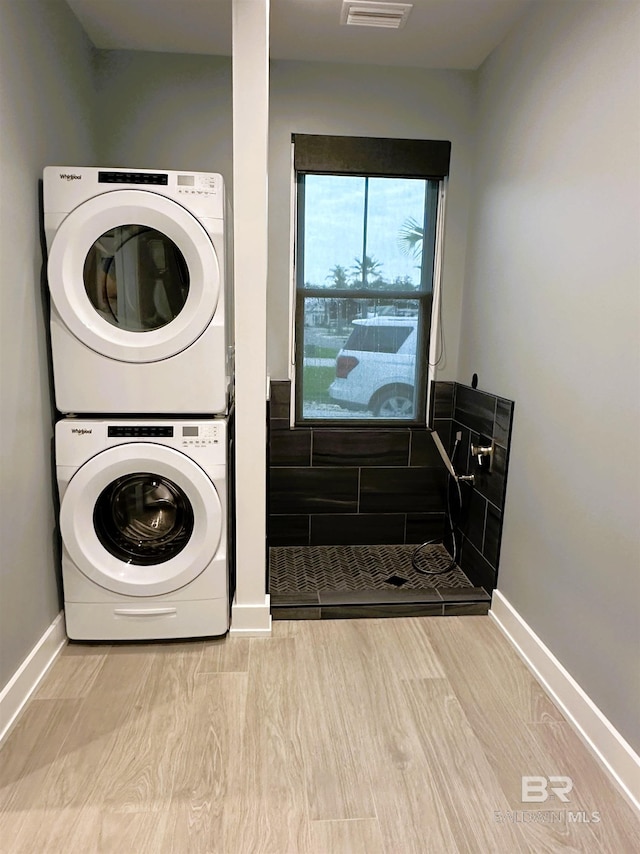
x=394, y=402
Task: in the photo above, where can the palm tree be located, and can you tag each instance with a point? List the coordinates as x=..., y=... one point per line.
x=410, y=237
x=338, y=277
x=364, y=269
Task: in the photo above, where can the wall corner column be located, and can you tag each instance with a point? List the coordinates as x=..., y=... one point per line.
x=250, y=613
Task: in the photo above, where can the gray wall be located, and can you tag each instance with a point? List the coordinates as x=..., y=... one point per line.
x=164, y=111
x=551, y=319
x=46, y=107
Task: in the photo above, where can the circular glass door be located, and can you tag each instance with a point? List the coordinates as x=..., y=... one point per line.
x=136, y=278
x=134, y=275
x=141, y=519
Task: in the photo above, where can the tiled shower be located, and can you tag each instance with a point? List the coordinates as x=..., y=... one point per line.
x=348, y=505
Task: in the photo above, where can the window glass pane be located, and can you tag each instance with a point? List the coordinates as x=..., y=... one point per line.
x=363, y=232
x=136, y=278
x=377, y=339
x=395, y=221
x=358, y=355
x=333, y=229
x=359, y=358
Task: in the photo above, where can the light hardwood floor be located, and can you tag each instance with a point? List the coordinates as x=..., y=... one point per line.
x=331, y=737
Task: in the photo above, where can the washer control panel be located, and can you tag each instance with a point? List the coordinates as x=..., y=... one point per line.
x=204, y=440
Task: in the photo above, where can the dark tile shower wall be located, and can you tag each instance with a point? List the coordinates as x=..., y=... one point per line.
x=351, y=486
x=479, y=417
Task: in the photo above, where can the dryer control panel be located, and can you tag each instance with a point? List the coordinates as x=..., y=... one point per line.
x=197, y=435
x=67, y=187
x=161, y=179
x=198, y=184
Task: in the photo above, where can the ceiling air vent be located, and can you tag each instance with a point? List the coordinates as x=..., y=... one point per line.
x=364, y=13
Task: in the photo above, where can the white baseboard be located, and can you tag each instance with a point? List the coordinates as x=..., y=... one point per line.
x=600, y=736
x=28, y=676
x=251, y=621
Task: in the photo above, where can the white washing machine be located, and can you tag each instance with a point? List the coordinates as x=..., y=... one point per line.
x=140, y=291
x=143, y=520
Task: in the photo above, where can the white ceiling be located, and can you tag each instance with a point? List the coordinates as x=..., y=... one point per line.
x=456, y=34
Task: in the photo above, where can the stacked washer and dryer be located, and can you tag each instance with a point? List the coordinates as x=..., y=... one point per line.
x=141, y=349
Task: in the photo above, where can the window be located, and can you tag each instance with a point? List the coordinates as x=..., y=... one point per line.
x=365, y=248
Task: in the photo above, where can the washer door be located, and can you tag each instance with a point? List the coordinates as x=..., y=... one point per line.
x=134, y=275
x=141, y=519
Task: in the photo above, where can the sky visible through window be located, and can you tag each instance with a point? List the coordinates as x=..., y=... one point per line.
x=335, y=220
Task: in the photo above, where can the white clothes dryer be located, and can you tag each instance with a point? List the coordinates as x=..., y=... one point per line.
x=139, y=285
x=143, y=521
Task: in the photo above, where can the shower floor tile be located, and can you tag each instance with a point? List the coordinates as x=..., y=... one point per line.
x=304, y=568
x=319, y=582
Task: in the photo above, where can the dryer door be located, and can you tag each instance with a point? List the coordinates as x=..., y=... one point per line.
x=134, y=275
x=141, y=519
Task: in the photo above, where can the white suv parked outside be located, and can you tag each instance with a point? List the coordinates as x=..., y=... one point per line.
x=376, y=367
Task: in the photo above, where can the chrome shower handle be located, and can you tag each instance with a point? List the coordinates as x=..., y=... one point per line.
x=482, y=452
